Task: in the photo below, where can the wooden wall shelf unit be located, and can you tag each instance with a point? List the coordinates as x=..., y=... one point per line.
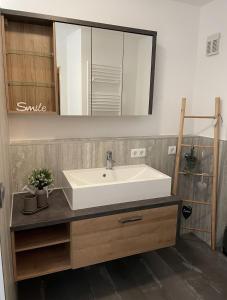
x=42, y=261
x=41, y=251
x=30, y=68
x=38, y=238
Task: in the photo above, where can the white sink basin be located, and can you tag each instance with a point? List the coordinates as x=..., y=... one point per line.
x=86, y=188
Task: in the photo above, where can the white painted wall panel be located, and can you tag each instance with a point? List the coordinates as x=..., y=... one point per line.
x=211, y=73
x=177, y=26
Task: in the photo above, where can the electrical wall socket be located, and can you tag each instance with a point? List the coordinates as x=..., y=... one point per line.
x=172, y=150
x=139, y=152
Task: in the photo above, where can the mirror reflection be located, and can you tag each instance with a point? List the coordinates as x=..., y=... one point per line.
x=136, y=74
x=73, y=52
x=103, y=72
x=107, y=57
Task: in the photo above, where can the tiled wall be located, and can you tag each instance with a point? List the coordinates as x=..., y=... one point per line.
x=222, y=192
x=59, y=155
x=86, y=153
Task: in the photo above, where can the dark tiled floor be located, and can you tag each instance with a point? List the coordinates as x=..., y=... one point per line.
x=189, y=271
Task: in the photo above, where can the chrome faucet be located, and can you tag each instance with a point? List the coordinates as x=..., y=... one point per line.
x=109, y=160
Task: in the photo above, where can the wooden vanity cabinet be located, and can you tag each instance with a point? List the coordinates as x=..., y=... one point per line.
x=105, y=238
x=85, y=242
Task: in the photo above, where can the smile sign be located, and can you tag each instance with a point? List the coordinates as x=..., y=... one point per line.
x=23, y=107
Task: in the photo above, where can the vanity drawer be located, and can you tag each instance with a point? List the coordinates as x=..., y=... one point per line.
x=105, y=238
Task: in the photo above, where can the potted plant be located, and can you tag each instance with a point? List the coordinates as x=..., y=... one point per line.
x=191, y=160
x=41, y=179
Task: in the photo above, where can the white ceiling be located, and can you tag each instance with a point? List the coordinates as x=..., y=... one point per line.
x=195, y=2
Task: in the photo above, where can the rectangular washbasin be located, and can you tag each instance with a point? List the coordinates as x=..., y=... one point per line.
x=86, y=188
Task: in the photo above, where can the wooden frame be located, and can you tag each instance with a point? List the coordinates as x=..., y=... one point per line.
x=57, y=92
x=215, y=171
x=4, y=60
x=46, y=19
x=179, y=143
x=215, y=148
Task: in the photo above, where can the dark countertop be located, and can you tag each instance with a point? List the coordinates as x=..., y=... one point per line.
x=60, y=212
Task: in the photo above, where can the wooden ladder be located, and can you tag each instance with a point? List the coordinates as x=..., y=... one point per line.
x=214, y=175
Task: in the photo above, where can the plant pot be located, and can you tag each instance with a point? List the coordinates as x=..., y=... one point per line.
x=30, y=203
x=41, y=198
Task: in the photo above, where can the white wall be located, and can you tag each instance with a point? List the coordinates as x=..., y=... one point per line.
x=177, y=26
x=211, y=73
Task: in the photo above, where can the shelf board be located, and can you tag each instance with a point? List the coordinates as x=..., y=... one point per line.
x=197, y=202
x=32, y=112
x=197, y=146
x=196, y=229
x=29, y=53
x=199, y=117
x=41, y=237
x=42, y=261
x=30, y=83
x=195, y=174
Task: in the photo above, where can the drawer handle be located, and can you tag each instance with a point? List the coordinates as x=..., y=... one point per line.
x=130, y=220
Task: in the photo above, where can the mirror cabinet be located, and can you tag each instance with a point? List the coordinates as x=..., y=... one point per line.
x=77, y=68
